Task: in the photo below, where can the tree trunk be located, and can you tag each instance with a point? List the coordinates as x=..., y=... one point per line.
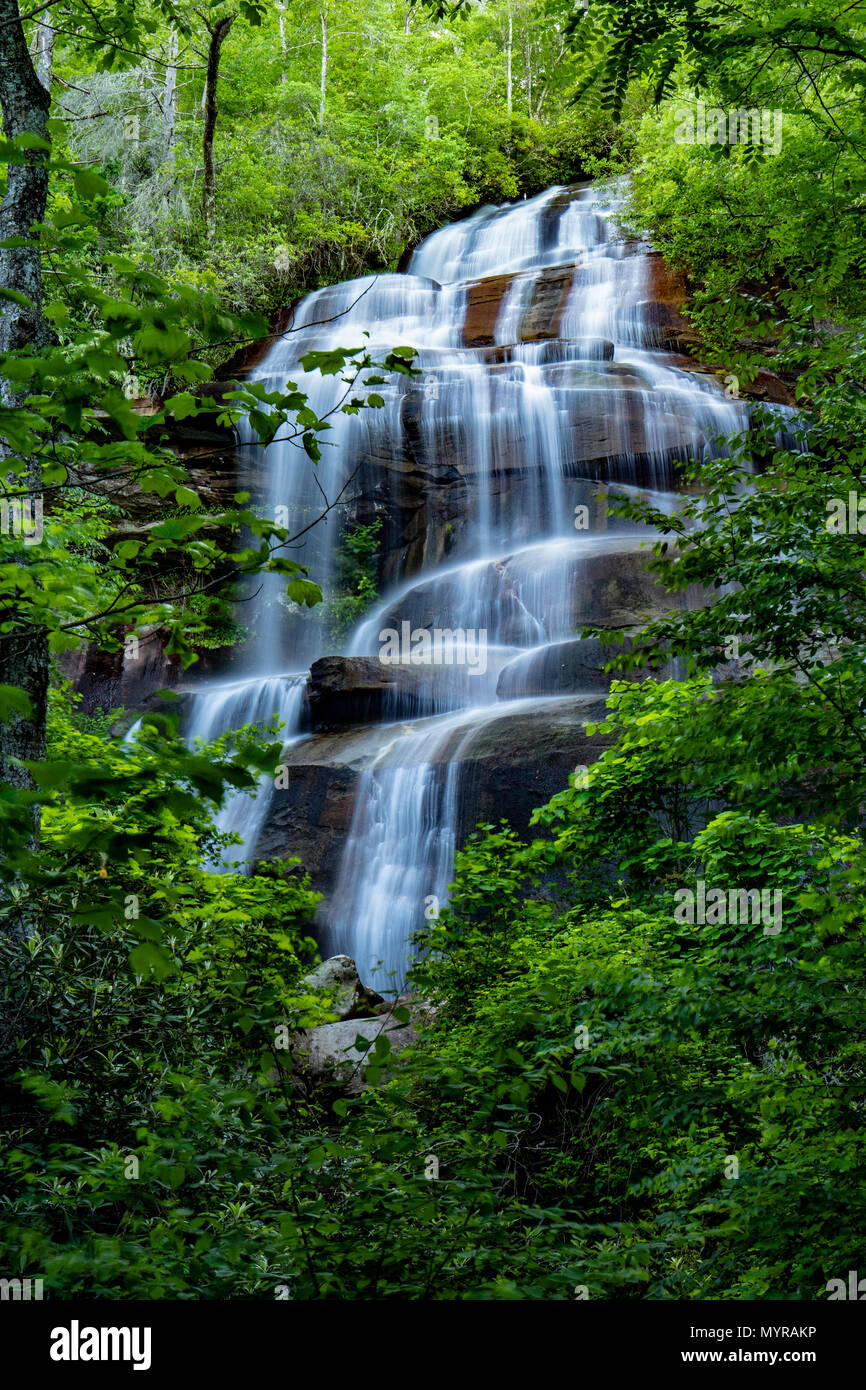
x=25, y=103
x=508, y=48
x=169, y=100
x=323, y=78
x=218, y=34
x=281, y=11
x=45, y=51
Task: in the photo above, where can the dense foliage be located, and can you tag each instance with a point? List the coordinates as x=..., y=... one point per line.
x=345, y=133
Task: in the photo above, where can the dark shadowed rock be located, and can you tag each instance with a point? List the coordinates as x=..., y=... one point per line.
x=347, y=690
x=564, y=668
x=122, y=679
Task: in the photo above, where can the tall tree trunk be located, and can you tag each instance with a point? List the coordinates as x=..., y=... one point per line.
x=25, y=104
x=169, y=100
x=281, y=11
x=45, y=51
x=527, y=59
x=323, y=77
x=508, y=49
x=218, y=33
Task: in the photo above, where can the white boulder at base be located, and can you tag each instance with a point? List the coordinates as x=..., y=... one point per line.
x=347, y=997
x=328, y=1054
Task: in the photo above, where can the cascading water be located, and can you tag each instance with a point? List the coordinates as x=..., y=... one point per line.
x=522, y=564
x=213, y=710
x=543, y=374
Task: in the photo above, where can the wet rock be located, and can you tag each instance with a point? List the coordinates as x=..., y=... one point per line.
x=595, y=376
x=483, y=303
x=577, y=349
x=509, y=763
x=766, y=386
x=550, y=294
x=565, y=585
x=564, y=668
x=312, y=816
x=346, y=690
x=347, y=996
x=666, y=294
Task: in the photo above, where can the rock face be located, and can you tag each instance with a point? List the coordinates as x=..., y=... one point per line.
x=607, y=585
x=482, y=309
x=122, y=679
x=346, y=690
x=546, y=300
x=666, y=294
x=514, y=760
x=563, y=668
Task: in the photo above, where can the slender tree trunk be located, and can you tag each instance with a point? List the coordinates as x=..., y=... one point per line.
x=508, y=49
x=25, y=104
x=323, y=78
x=169, y=100
x=45, y=51
x=218, y=33
x=527, y=57
x=281, y=10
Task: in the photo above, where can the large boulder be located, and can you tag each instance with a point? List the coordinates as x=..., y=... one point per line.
x=329, y=1055
x=347, y=997
x=347, y=690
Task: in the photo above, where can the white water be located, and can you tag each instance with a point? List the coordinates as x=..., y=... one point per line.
x=520, y=424
x=217, y=708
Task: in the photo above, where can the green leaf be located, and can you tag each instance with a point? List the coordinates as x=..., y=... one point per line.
x=89, y=184
x=151, y=962
x=14, y=701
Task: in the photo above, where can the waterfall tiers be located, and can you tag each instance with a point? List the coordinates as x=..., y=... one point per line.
x=550, y=350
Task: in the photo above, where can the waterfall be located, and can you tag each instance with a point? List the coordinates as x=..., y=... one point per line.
x=545, y=371
x=215, y=709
